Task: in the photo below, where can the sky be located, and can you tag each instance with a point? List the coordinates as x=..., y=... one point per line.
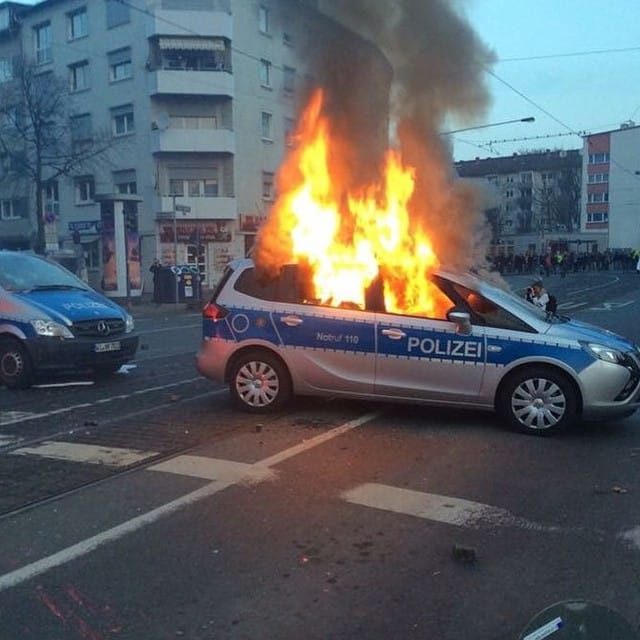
x=574, y=65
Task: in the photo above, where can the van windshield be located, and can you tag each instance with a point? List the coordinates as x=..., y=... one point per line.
x=27, y=272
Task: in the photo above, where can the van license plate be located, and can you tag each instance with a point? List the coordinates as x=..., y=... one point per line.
x=101, y=347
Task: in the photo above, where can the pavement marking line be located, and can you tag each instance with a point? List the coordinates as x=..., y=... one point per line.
x=84, y=547
x=6, y=441
x=84, y=405
x=8, y=417
x=88, y=453
x=432, y=506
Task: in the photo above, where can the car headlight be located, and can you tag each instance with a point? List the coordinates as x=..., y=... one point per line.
x=601, y=351
x=51, y=329
x=129, y=325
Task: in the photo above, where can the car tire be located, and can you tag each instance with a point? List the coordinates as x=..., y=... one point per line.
x=538, y=401
x=16, y=371
x=259, y=382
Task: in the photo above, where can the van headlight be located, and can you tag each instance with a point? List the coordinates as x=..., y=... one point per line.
x=51, y=329
x=129, y=324
x=601, y=351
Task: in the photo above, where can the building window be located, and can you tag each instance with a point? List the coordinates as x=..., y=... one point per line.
x=289, y=131
x=597, y=217
x=289, y=77
x=77, y=24
x=193, y=122
x=42, y=42
x=125, y=181
x=598, y=158
x=195, y=187
x=12, y=209
x=526, y=178
x=598, y=197
x=6, y=69
x=267, y=126
x=79, y=76
x=84, y=189
x=598, y=177
x=122, y=122
x=81, y=127
x=118, y=12
x=120, y=64
x=267, y=186
x=263, y=19
x=265, y=73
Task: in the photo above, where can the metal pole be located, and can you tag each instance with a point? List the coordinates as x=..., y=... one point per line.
x=175, y=245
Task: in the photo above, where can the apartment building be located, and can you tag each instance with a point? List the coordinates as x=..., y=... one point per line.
x=198, y=97
x=611, y=188
x=531, y=201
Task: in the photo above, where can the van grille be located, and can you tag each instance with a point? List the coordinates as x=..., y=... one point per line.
x=99, y=328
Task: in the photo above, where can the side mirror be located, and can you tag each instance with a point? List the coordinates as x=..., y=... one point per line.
x=462, y=319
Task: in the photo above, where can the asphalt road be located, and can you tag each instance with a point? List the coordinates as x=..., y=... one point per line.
x=330, y=520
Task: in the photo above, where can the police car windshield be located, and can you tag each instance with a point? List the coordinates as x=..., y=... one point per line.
x=513, y=301
x=27, y=272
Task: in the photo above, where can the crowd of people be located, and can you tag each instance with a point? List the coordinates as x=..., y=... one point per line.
x=562, y=262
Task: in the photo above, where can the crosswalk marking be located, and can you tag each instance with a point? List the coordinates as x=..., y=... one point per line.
x=213, y=469
x=89, y=453
x=431, y=506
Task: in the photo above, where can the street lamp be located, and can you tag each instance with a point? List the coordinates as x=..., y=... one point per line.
x=485, y=126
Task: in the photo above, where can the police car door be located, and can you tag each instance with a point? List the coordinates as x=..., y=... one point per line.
x=428, y=359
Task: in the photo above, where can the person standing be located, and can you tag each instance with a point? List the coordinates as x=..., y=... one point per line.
x=155, y=269
x=537, y=295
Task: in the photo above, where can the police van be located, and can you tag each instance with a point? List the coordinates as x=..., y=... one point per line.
x=491, y=350
x=52, y=323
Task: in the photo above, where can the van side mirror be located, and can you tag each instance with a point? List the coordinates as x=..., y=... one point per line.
x=462, y=319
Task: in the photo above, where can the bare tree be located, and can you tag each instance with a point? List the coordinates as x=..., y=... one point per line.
x=38, y=142
x=559, y=203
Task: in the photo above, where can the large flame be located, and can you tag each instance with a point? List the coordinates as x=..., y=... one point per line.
x=350, y=239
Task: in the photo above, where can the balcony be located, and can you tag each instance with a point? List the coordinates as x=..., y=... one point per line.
x=187, y=82
x=201, y=208
x=192, y=141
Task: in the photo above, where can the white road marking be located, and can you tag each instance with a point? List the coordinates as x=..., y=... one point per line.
x=46, y=414
x=610, y=306
x=631, y=537
x=84, y=547
x=6, y=441
x=431, y=506
x=214, y=469
x=89, y=453
x=571, y=305
x=9, y=417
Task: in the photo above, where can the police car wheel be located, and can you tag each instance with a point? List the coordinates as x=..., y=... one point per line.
x=15, y=366
x=538, y=401
x=259, y=382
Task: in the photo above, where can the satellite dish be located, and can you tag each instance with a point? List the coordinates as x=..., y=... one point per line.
x=163, y=121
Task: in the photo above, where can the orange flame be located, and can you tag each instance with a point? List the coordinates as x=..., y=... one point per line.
x=350, y=239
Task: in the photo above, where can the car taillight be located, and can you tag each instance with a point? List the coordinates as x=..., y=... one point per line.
x=212, y=311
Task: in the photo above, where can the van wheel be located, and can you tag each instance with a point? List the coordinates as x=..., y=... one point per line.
x=538, y=401
x=15, y=366
x=259, y=382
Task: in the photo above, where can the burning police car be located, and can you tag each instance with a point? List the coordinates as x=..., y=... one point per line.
x=487, y=349
x=51, y=322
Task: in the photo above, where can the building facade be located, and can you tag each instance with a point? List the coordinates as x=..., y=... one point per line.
x=531, y=201
x=611, y=188
x=199, y=99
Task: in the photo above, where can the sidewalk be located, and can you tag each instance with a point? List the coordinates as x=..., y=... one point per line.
x=144, y=307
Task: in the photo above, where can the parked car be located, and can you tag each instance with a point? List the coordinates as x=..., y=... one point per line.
x=491, y=350
x=51, y=323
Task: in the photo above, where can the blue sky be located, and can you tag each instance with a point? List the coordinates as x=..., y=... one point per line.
x=595, y=90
